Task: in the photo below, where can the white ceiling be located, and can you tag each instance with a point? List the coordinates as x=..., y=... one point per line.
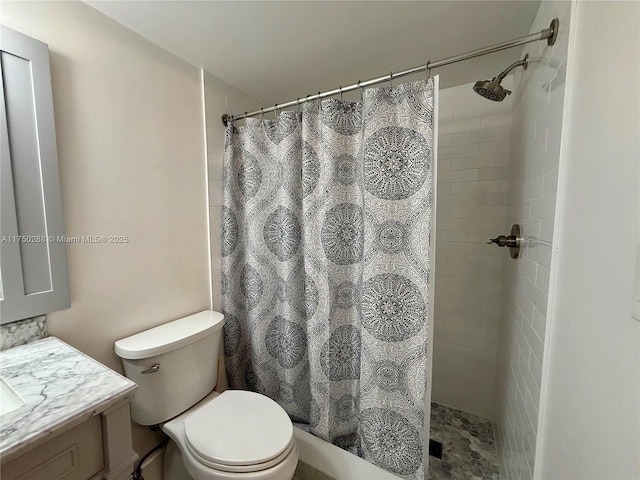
x=278, y=51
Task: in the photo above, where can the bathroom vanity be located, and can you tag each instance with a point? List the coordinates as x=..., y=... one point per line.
x=63, y=415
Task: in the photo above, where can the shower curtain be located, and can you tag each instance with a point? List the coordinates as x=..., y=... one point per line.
x=326, y=268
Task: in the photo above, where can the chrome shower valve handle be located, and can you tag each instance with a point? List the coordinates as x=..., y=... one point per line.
x=513, y=241
x=504, y=241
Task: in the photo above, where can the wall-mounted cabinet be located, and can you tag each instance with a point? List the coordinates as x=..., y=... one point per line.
x=33, y=263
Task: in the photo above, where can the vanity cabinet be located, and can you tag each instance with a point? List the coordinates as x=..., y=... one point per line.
x=73, y=455
x=97, y=448
x=33, y=263
x=74, y=422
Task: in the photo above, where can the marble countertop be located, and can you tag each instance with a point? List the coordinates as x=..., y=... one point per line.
x=61, y=388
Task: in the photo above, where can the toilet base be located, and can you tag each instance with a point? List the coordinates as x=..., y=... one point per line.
x=174, y=468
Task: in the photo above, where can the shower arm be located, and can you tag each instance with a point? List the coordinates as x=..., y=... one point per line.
x=520, y=63
x=549, y=34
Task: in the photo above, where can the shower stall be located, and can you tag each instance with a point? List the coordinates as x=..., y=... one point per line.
x=486, y=182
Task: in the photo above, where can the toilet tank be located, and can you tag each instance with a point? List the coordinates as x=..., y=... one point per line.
x=175, y=365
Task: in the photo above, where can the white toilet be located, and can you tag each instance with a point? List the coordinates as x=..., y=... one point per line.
x=233, y=435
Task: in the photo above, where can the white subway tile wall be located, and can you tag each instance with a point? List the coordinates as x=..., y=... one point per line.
x=473, y=157
x=537, y=120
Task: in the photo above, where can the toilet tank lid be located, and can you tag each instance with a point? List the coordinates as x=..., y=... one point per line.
x=169, y=336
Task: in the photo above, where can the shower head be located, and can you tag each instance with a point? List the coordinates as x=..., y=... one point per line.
x=491, y=89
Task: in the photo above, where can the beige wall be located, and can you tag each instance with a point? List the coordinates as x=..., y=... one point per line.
x=130, y=133
x=219, y=99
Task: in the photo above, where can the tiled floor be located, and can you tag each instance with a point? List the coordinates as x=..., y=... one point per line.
x=468, y=448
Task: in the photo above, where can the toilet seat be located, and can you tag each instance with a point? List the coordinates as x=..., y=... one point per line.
x=244, y=468
x=239, y=432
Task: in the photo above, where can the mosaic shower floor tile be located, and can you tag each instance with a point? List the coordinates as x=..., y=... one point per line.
x=468, y=447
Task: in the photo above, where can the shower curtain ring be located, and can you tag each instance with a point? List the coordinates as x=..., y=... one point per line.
x=298, y=102
x=261, y=114
x=360, y=90
x=427, y=70
x=341, y=97
x=391, y=79
x=319, y=101
x=275, y=111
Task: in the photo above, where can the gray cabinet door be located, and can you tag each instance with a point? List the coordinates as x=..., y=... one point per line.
x=33, y=263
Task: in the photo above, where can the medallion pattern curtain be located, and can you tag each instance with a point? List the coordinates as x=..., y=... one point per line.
x=326, y=268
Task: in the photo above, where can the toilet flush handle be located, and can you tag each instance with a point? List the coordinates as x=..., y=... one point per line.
x=154, y=368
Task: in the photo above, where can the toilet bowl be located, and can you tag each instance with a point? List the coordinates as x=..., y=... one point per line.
x=236, y=434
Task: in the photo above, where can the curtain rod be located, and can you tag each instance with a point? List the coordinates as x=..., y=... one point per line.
x=550, y=34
